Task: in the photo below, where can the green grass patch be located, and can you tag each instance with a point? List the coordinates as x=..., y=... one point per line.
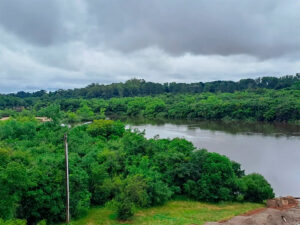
x=177, y=212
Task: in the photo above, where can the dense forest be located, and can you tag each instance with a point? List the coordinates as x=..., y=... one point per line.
x=262, y=99
x=108, y=165
x=251, y=105
x=137, y=87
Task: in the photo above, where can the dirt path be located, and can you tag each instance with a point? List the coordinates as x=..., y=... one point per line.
x=269, y=216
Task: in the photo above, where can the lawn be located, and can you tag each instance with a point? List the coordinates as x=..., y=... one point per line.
x=174, y=213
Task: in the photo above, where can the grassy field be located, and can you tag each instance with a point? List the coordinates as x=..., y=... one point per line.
x=174, y=213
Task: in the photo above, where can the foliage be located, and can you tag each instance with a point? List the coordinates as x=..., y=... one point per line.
x=215, y=180
x=139, y=87
x=131, y=192
x=85, y=112
x=51, y=111
x=265, y=99
x=12, y=222
x=106, y=128
x=107, y=163
x=255, y=188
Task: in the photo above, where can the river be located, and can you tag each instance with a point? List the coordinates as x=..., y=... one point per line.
x=272, y=150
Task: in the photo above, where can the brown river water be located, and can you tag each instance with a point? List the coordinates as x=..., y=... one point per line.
x=272, y=150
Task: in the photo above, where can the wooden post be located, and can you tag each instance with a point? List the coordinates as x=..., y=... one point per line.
x=67, y=181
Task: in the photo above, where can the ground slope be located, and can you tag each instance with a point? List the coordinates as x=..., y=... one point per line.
x=174, y=213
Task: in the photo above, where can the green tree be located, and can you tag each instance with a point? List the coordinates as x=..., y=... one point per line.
x=106, y=128
x=85, y=112
x=255, y=188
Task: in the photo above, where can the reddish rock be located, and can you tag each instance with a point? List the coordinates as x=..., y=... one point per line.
x=271, y=203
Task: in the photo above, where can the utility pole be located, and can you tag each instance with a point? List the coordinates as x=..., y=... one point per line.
x=67, y=181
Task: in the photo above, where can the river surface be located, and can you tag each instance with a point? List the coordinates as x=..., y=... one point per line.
x=272, y=150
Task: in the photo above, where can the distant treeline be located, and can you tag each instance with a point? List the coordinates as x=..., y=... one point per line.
x=260, y=101
x=251, y=105
x=139, y=87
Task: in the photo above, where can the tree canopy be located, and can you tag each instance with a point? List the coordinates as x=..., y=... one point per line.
x=108, y=165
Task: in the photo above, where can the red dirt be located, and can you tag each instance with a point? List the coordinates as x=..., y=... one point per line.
x=284, y=215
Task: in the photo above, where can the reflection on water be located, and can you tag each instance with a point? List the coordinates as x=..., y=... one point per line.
x=232, y=127
x=270, y=149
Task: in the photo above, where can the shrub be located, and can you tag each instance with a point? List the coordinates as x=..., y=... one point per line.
x=72, y=117
x=135, y=189
x=132, y=193
x=124, y=207
x=255, y=188
x=106, y=128
x=216, y=181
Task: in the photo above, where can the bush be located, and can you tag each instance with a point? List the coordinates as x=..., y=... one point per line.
x=104, y=192
x=217, y=181
x=124, y=207
x=255, y=188
x=72, y=117
x=132, y=193
x=106, y=128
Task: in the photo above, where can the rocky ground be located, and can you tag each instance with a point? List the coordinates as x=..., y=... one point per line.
x=282, y=211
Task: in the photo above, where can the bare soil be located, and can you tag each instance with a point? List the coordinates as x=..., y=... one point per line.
x=285, y=215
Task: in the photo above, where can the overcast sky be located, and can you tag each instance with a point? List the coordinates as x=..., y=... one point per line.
x=52, y=44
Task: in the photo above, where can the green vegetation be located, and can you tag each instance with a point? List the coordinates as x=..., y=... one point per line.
x=136, y=87
x=120, y=169
x=108, y=165
x=251, y=105
x=173, y=212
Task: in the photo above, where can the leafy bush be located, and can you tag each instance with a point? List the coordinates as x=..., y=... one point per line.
x=216, y=180
x=85, y=112
x=105, y=191
x=106, y=128
x=132, y=192
x=255, y=188
x=124, y=207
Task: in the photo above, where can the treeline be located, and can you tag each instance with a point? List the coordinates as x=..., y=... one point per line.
x=108, y=165
x=254, y=105
x=137, y=87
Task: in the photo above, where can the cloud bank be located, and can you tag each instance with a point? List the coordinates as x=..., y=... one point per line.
x=71, y=43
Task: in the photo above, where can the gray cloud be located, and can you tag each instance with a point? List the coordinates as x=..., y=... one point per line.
x=265, y=28
x=34, y=20
x=66, y=43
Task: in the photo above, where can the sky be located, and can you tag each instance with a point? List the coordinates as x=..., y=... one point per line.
x=61, y=44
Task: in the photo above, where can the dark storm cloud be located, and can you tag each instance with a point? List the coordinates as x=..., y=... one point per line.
x=51, y=44
x=34, y=20
x=266, y=28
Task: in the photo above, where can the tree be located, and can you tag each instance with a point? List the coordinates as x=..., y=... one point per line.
x=255, y=188
x=131, y=193
x=106, y=128
x=85, y=112
x=13, y=182
x=52, y=111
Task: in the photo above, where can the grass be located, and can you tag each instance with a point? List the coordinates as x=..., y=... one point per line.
x=175, y=212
